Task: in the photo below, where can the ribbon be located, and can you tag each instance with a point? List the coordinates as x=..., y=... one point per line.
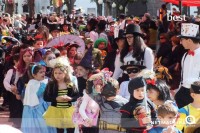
x=151, y=81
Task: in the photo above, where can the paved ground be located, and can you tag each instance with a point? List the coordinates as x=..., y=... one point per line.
x=4, y=115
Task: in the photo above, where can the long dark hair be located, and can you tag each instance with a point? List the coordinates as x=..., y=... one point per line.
x=124, y=51
x=138, y=48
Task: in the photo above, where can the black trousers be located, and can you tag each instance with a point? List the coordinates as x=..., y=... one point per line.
x=90, y=129
x=16, y=109
x=183, y=97
x=69, y=130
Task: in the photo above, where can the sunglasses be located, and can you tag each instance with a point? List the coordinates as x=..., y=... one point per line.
x=132, y=70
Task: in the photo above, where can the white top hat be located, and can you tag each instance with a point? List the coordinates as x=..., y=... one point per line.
x=189, y=30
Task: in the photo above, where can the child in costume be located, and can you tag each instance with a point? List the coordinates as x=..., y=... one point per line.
x=167, y=115
x=34, y=104
x=110, y=105
x=133, y=69
x=87, y=110
x=133, y=119
x=158, y=91
x=83, y=70
x=61, y=92
x=10, y=83
x=192, y=110
x=96, y=54
x=101, y=44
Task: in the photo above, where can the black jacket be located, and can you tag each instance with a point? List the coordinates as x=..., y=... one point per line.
x=109, y=61
x=128, y=120
x=51, y=92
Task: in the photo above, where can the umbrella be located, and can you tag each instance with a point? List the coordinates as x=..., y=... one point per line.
x=185, y=2
x=65, y=39
x=10, y=38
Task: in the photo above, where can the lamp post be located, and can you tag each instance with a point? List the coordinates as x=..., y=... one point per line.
x=120, y=7
x=113, y=5
x=100, y=2
x=113, y=9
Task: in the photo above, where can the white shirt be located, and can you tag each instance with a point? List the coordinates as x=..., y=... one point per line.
x=6, y=81
x=148, y=58
x=148, y=61
x=123, y=91
x=191, y=68
x=117, y=72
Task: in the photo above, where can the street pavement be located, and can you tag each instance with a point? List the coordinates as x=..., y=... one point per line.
x=4, y=115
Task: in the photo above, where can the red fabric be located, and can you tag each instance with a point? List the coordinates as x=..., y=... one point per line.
x=151, y=81
x=190, y=52
x=140, y=117
x=109, y=47
x=185, y=2
x=124, y=111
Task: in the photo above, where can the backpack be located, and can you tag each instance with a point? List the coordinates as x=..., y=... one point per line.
x=77, y=118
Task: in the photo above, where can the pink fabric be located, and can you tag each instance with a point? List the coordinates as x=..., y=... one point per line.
x=92, y=111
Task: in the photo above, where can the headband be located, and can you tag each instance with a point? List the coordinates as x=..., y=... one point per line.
x=32, y=69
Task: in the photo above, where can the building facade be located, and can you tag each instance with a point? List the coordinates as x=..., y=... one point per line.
x=140, y=7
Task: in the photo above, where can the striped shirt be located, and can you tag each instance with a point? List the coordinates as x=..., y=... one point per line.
x=63, y=104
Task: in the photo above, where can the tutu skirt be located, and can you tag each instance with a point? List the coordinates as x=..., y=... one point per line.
x=59, y=117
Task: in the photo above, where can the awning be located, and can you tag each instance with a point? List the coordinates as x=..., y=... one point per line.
x=185, y=2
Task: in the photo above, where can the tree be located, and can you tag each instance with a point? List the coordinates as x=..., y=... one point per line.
x=9, y=6
x=99, y=7
x=70, y=5
x=31, y=7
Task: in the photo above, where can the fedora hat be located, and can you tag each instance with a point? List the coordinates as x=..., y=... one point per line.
x=133, y=63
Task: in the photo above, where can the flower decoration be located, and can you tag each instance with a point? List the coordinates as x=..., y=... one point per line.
x=147, y=74
x=61, y=62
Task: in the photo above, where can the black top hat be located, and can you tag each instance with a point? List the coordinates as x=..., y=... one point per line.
x=66, y=23
x=133, y=29
x=195, y=88
x=133, y=63
x=108, y=90
x=86, y=61
x=119, y=35
x=53, y=27
x=190, y=30
x=135, y=83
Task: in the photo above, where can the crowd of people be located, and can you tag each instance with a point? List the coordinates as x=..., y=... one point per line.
x=132, y=74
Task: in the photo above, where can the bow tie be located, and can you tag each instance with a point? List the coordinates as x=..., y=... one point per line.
x=191, y=53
